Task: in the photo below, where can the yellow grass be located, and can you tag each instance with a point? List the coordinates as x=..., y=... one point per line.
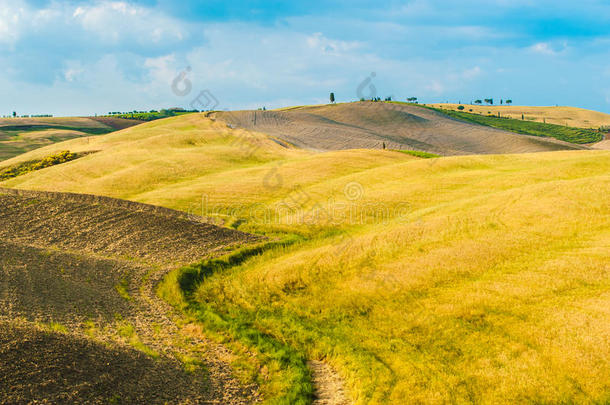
x=570, y=116
x=76, y=122
x=456, y=280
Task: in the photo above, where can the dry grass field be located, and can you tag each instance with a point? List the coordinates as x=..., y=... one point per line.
x=570, y=116
x=462, y=279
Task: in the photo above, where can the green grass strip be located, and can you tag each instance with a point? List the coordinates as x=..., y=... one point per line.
x=419, y=154
x=294, y=384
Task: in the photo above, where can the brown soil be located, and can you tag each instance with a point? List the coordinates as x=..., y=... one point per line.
x=53, y=367
x=117, y=123
x=64, y=258
x=132, y=232
x=368, y=125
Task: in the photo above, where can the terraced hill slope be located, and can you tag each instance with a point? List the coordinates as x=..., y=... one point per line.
x=370, y=125
x=79, y=320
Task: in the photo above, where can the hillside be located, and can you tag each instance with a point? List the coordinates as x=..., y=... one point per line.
x=400, y=126
x=580, y=136
x=566, y=116
x=457, y=279
x=79, y=320
x=20, y=135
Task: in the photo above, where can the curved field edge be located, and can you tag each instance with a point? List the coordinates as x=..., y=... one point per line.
x=287, y=378
x=580, y=136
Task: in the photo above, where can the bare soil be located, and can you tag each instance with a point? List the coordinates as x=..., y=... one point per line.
x=89, y=267
x=329, y=387
x=50, y=367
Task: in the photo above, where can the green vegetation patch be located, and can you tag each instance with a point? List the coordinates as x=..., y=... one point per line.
x=33, y=165
x=568, y=134
x=128, y=332
x=123, y=289
x=419, y=154
x=291, y=380
x=149, y=116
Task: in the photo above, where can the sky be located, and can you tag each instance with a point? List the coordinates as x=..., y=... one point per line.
x=83, y=58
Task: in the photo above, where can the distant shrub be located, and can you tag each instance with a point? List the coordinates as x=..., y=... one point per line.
x=461, y=108
x=151, y=115
x=27, y=167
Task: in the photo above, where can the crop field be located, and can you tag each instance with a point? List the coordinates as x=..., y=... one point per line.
x=20, y=135
x=382, y=275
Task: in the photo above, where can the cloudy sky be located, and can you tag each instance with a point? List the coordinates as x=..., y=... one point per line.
x=76, y=58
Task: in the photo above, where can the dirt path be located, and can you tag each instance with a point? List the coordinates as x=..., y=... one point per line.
x=329, y=386
x=78, y=284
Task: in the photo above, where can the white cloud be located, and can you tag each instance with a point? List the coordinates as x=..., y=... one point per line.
x=436, y=87
x=472, y=73
x=72, y=73
x=548, y=49
x=319, y=42
x=119, y=55
x=120, y=21
x=11, y=18
x=111, y=22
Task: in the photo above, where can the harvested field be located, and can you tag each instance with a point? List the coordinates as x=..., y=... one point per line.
x=40, y=365
x=370, y=125
x=116, y=123
x=123, y=232
x=79, y=318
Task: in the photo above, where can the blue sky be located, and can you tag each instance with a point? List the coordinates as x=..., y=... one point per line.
x=78, y=58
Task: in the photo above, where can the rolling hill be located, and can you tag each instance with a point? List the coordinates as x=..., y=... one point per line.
x=20, y=135
x=481, y=278
x=398, y=126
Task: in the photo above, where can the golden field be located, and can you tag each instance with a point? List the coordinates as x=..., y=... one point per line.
x=466, y=279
